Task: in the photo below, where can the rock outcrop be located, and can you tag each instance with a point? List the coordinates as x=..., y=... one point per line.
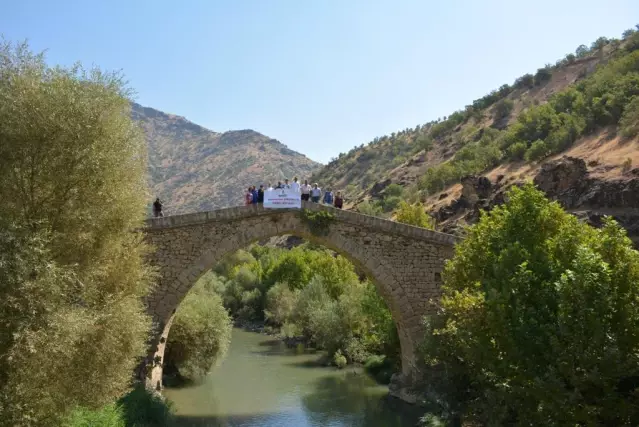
x=567, y=181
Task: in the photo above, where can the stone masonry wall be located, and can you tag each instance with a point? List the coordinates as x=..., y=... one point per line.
x=404, y=262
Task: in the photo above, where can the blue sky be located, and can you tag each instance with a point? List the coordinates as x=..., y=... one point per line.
x=321, y=76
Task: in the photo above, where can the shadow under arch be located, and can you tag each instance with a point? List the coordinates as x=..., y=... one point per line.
x=403, y=262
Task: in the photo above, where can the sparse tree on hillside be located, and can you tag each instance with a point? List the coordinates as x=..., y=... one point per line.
x=73, y=186
x=414, y=214
x=628, y=33
x=599, y=43
x=582, y=51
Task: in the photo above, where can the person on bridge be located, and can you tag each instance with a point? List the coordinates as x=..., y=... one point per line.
x=248, y=197
x=316, y=193
x=260, y=195
x=286, y=184
x=306, y=191
x=254, y=194
x=295, y=186
x=279, y=185
x=339, y=200
x=157, y=208
x=328, y=197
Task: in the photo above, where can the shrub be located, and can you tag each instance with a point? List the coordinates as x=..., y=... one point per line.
x=200, y=334
x=539, y=320
x=503, y=108
x=339, y=360
x=108, y=416
x=629, y=122
x=414, y=215
x=369, y=208
x=626, y=165
x=280, y=304
x=517, y=151
x=537, y=151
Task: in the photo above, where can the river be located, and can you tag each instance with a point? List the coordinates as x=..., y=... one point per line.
x=262, y=383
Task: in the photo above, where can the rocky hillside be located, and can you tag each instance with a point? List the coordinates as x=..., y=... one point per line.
x=192, y=168
x=586, y=107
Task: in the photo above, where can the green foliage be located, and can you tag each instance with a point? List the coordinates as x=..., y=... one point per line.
x=539, y=320
x=139, y=408
x=503, y=108
x=414, y=214
x=108, y=416
x=318, y=221
x=72, y=274
x=339, y=359
x=369, y=208
x=629, y=122
x=280, y=304
x=517, y=151
x=200, y=334
x=537, y=151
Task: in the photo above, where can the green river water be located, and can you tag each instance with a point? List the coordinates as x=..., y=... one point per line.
x=263, y=383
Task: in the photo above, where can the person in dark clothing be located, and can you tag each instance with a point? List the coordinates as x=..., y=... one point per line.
x=254, y=193
x=260, y=194
x=339, y=200
x=279, y=185
x=157, y=208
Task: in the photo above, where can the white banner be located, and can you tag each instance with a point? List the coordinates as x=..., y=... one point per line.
x=282, y=198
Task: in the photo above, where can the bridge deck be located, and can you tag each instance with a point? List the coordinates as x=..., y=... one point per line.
x=239, y=212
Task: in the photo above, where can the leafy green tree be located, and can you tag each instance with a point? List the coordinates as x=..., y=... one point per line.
x=200, y=334
x=600, y=43
x=537, y=151
x=414, y=214
x=582, y=51
x=517, y=151
x=73, y=185
x=542, y=75
x=503, y=108
x=539, y=320
x=629, y=122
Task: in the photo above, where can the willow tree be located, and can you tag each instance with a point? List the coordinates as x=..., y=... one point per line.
x=72, y=276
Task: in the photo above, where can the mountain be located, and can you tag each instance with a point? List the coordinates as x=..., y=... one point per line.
x=193, y=169
x=571, y=127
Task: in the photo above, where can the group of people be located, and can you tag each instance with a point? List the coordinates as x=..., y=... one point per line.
x=308, y=192
x=255, y=196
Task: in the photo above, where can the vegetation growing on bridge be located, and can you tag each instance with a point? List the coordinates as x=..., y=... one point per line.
x=318, y=221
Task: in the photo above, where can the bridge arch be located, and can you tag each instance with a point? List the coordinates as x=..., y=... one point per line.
x=404, y=263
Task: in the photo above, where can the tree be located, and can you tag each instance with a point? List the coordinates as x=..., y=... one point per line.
x=539, y=320
x=542, y=75
x=629, y=122
x=200, y=334
x=628, y=33
x=414, y=215
x=73, y=185
x=503, y=108
x=582, y=51
x=600, y=43
x=537, y=151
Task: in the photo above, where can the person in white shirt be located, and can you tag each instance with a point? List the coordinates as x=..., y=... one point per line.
x=316, y=193
x=295, y=186
x=306, y=191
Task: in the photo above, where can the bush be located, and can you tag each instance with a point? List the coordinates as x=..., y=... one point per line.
x=503, y=108
x=108, y=416
x=139, y=408
x=539, y=320
x=414, y=215
x=517, y=151
x=629, y=122
x=537, y=151
x=339, y=360
x=626, y=165
x=369, y=208
x=200, y=334
x=280, y=304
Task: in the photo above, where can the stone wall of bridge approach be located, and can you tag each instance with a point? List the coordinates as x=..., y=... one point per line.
x=403, y=261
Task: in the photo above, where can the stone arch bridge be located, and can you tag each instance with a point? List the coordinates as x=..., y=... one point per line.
x=403, y=261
